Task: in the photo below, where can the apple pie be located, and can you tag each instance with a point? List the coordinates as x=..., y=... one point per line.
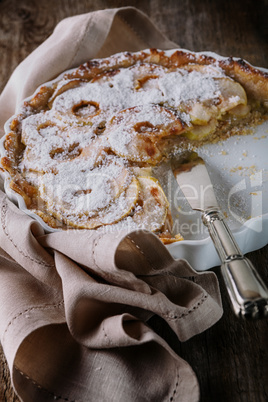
x=82, y=149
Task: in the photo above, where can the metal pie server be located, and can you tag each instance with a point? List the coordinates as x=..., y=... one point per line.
x=247, y=291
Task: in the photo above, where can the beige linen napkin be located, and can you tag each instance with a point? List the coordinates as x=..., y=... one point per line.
x=74, y=305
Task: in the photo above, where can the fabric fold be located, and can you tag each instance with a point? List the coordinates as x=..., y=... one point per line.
x=94, y=298
x=74, y=305
x=167, y=288
x=111, y=374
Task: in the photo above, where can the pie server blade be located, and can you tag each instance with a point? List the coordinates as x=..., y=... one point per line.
x=248, y=293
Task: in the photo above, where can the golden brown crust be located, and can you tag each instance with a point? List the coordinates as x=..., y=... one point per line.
x=255, y=81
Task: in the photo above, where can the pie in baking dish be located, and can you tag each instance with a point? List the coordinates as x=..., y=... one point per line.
x=81, y=150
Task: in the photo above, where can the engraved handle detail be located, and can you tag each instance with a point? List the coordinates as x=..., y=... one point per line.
x=247, y=291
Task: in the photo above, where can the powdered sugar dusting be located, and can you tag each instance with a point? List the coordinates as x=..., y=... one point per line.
x=78, y=188
x=80, y=151
x=181, y=86
x=118, y=92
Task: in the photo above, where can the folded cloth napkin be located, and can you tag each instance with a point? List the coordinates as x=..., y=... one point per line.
x=74, y=305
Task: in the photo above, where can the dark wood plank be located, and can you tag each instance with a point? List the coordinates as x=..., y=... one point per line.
x=236, y=352
x=230, y=359
x=229, y=28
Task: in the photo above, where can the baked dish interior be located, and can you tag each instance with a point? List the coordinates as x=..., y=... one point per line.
x=81, y=151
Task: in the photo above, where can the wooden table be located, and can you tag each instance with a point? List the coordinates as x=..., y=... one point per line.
x=230, y=359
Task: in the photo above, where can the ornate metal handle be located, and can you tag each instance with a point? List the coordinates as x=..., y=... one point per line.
x=247, y=291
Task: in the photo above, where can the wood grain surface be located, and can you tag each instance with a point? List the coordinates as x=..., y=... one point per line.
x=230, y=359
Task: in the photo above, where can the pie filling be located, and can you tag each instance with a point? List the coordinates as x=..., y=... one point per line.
x=81, y=150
